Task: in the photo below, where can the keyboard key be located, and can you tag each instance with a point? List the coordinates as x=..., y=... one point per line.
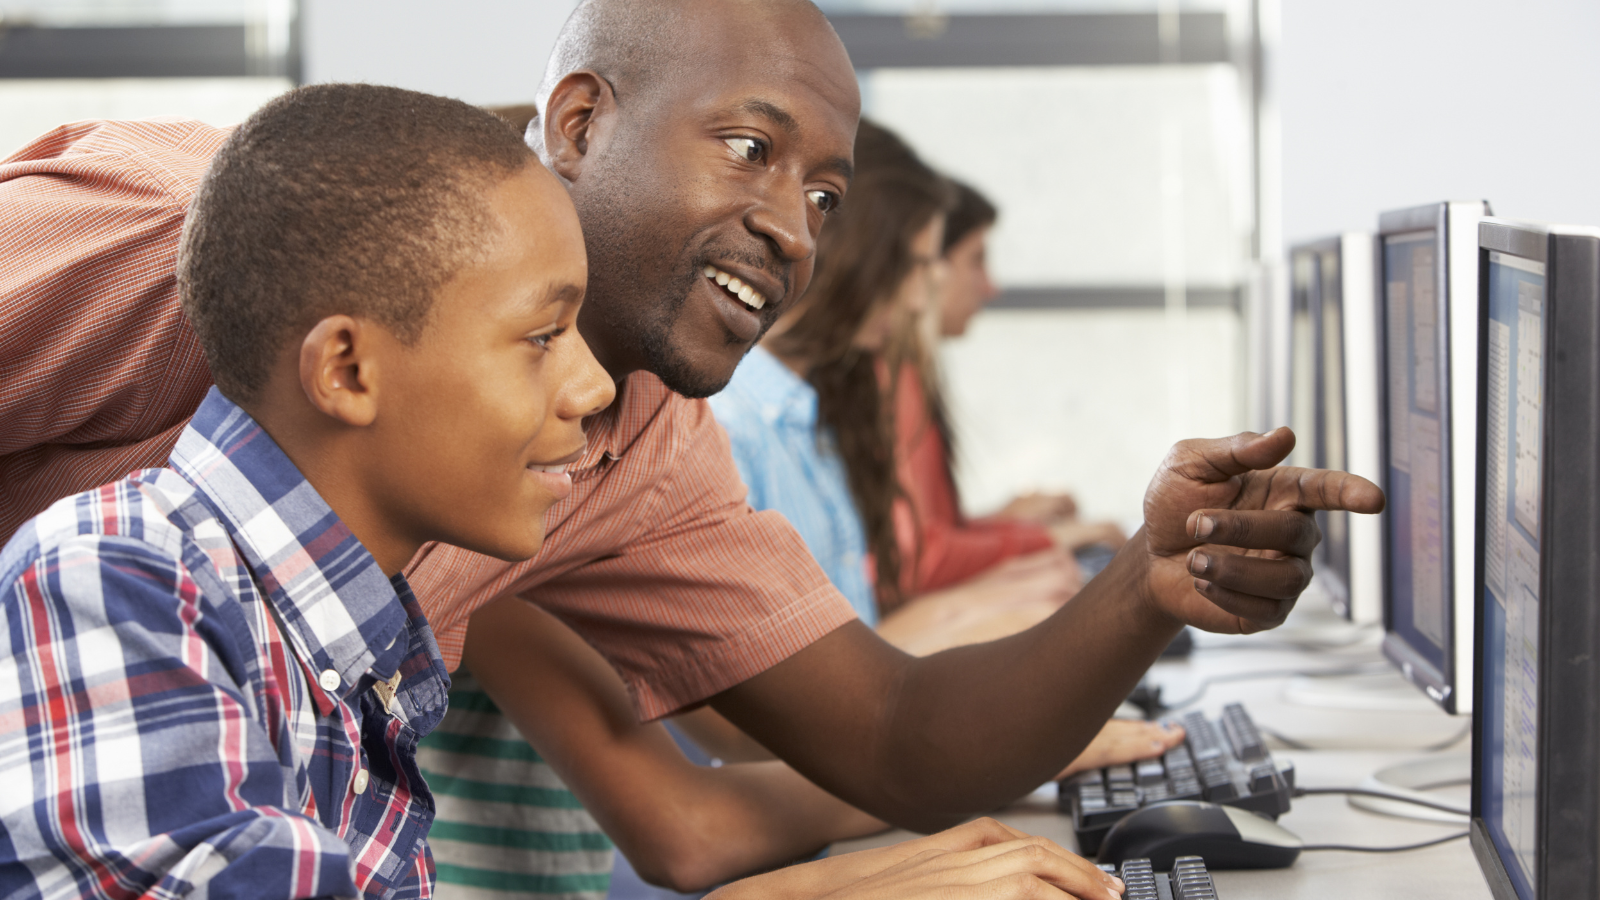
x=1262, y=779
x=1149, y=772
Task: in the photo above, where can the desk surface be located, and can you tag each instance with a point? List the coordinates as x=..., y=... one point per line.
x=1351, y=743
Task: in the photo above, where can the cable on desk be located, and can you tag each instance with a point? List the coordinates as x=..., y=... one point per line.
x=1206, y=683
x=1348, y=848
x=1382, y=795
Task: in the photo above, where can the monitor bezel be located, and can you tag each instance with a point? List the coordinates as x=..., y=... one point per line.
x=1568, y=819
x=1439, y=686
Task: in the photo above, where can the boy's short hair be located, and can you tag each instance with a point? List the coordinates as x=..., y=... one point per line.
x=336, y=199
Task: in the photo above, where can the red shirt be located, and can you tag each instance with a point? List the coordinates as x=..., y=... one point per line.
x=939, y=547
x=655, y=558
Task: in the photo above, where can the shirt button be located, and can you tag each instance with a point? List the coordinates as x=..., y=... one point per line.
x=329, y=679
x=360, y=785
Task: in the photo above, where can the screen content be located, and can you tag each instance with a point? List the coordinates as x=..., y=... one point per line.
x=1330, y=451
x=1303, y=358
x=1513, y=420
x=1418, y=531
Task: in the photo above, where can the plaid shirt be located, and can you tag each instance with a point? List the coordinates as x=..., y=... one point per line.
x=209, y=687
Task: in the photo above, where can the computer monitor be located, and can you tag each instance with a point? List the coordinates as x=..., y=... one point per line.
x=1334, y=406
x=1427, y=283
x=1536, y=735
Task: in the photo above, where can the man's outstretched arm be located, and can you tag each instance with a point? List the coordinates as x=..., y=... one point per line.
x=924, y=742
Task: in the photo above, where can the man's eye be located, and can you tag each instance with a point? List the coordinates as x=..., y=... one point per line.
x=827, y=201
x=750, y=148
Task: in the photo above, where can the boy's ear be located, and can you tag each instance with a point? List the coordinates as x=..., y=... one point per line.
x=339, y=369
x=578, y=113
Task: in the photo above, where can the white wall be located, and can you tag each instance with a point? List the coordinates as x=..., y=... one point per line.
x=1392, y=103
x=482, y=51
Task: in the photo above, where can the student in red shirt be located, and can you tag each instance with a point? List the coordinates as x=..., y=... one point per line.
x=948, y=547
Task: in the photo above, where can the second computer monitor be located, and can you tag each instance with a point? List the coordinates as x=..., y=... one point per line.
x=1428, y=295
x=1334, y=406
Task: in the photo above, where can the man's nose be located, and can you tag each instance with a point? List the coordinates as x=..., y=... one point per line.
x=783, y=218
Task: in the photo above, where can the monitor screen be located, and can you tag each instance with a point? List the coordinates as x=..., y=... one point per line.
x=1307, y=274
x=1316, y=394
x=1329, y=452
x=1417, y=532
x=1509, y=607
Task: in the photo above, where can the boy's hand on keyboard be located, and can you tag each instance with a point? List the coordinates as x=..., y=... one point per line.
x=1125, y=741
x=981, y=860
x=1229, y=534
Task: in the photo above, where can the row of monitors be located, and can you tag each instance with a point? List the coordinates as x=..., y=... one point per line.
x=1457, y=356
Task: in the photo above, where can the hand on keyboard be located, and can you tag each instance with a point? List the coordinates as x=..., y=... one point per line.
x=1126, y=741
x=1221, y=761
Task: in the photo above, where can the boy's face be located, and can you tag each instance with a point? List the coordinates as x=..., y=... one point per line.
x=480, y=415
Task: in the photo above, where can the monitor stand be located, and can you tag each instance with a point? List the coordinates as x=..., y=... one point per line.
x=1381, y=691
x=1413, y=779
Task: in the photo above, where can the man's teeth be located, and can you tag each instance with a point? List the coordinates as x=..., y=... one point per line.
x=747, y=295
x=556, y=469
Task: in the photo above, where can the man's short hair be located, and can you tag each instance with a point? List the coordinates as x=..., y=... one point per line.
x=336, y=199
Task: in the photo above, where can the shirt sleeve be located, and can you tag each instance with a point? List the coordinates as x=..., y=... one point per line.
x=99, y=369
x=938, y=546
x=134, y=758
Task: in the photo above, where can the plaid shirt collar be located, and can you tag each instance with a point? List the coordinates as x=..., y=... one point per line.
x=342, y=614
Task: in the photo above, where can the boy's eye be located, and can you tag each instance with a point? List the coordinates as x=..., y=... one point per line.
x=827, y=201
x=751, y=149
x=542, y=341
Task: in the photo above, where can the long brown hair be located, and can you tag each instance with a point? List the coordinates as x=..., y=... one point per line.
x=970, y=212
x=863, y=256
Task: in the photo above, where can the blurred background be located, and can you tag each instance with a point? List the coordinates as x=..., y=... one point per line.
x=1151, y=161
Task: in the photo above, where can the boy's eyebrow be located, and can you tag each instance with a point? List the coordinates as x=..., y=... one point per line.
x=563, y=293
x=780, y=117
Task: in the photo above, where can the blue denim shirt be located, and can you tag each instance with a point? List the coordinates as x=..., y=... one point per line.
x=793, y=466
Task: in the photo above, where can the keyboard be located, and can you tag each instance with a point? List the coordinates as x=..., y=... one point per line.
x=1222, y=761
x=1188, y=880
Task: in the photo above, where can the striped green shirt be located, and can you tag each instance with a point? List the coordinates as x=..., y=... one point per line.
x=506, y=828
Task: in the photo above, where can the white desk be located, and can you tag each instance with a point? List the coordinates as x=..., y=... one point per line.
x=1352, y=743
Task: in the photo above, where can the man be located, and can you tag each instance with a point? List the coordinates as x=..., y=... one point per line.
x=713, y=138
x=718, y=134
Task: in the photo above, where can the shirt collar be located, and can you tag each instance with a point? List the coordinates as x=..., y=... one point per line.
x=780, y=394
x=326, y=588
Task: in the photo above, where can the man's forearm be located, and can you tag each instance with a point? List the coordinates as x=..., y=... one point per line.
x=932, y=740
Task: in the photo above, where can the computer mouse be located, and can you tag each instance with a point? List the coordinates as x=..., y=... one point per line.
x=1227, y=838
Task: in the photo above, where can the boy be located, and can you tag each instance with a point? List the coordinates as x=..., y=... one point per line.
x=215, y=676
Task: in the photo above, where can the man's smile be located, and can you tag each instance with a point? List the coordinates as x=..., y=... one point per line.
x=737, y=287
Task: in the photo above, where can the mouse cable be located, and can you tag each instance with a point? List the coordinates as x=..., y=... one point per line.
x=1258, y=674
x=1349, y=848
x=1382, y=795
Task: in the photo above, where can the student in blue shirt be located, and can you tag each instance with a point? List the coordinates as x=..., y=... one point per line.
x=832, y=359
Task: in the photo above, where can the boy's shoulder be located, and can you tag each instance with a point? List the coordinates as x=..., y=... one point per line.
x=155, y=514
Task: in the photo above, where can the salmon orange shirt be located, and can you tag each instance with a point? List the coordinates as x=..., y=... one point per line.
x=655, y=558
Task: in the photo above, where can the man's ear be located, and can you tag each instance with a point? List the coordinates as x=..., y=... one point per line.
x=579, y=113
x=339, y=369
